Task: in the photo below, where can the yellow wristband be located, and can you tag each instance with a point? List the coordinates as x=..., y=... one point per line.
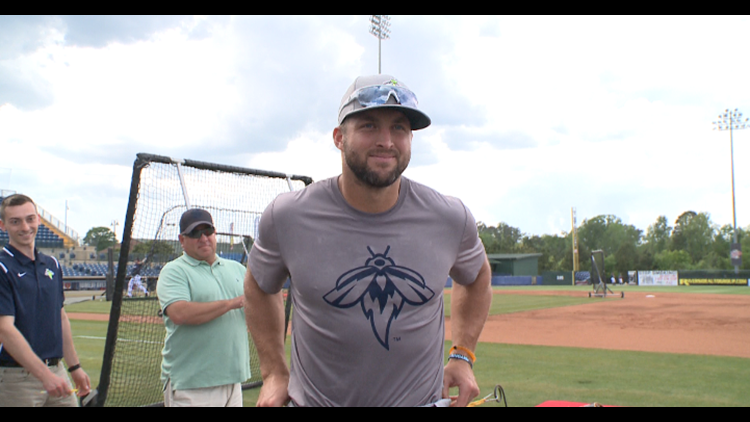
x=465, y=351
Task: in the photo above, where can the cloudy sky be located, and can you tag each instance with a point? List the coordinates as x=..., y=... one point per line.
x=531, y=115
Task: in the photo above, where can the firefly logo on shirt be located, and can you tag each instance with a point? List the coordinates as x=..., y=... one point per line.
x=49, y=274
x=381, y=288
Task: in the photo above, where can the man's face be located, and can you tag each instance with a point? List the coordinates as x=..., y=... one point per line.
x=21, y=223
x=375, y=145
x=202, y=248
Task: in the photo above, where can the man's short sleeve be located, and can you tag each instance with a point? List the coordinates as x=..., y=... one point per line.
x=266, y=262
x=172, y=286
x=471, y=254
x=7, y=304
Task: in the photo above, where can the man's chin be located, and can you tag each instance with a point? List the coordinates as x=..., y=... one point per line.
x=376, y=181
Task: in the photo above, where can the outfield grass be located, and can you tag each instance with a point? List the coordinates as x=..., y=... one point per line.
x=531, y=375
x=506, y=304
x=90, y=306
x=728, y=290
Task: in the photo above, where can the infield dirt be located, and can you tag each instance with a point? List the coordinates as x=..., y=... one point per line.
x=704, y=324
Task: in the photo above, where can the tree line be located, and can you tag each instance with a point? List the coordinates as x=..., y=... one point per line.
x=694, y=242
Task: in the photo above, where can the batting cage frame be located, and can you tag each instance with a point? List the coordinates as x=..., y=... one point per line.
x=163, y=188
x=599, y=285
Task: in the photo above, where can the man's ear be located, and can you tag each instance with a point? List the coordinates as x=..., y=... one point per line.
x=338, y=138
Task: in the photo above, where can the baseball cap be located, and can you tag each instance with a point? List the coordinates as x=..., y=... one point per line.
x=193, y=218
x=382, y=91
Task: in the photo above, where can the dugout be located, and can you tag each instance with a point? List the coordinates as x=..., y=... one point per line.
x=514, y=264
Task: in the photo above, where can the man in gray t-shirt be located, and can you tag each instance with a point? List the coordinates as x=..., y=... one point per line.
x=369, y=253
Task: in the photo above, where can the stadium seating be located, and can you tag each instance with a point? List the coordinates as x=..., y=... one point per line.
x=100, y=270
x=582, y=277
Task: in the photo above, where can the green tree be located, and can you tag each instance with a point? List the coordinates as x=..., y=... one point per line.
x=500, y=239
x=557, y=254
x=673, y=261
x=100, y=237
x=608, y=233
x=163, y=249
x=658, y=235
x=694, y=233
x=626, y=258
x=745, y=242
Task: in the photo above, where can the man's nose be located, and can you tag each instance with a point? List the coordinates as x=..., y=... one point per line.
x=385, y=138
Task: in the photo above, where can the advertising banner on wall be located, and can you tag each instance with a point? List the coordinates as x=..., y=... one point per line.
x=657, y=278
x=713, y=282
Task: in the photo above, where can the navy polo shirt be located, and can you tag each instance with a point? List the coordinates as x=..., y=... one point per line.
x=32, y=292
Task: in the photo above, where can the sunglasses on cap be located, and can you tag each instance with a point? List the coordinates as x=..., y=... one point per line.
x=377, y=95
x=197, y=233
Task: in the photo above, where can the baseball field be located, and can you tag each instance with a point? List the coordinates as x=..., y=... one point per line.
x=659, y=346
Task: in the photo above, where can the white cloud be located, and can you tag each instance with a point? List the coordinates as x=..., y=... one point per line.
x=531, y=115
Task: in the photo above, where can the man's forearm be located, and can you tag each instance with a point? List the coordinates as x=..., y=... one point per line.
x=69, y=350
x=470, y=306
x=196, y=313
x=265, y=320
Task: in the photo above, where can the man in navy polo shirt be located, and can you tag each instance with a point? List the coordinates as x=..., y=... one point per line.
x=34, y=329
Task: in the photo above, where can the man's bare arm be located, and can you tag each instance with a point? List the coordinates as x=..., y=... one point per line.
x=80, y=378
x=470, y=306
x=197, y=313
x=265, y=319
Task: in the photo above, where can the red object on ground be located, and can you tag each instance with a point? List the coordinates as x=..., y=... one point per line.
x=561, y=403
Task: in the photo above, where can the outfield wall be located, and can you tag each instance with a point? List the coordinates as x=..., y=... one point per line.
x=694, y=278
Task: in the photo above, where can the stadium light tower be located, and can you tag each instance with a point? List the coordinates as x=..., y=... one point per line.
x=379, y=27
x=576, y=262
x=114, y=225
x=731, y=120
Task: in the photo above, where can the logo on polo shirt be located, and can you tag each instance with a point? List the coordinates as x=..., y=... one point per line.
x=21, y=275
x=49, y=274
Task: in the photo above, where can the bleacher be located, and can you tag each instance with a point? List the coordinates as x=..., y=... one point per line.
x=100, y=270
x=582, y=277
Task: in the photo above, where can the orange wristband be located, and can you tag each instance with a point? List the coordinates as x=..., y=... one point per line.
x=463, y=350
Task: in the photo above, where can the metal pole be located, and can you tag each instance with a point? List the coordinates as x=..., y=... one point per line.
x=379, y=27
x=379, y=42
x=731, y=120
x=178, y=163
x=734, y=210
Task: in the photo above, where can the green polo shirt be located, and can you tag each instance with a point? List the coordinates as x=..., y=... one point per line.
x=211, y=354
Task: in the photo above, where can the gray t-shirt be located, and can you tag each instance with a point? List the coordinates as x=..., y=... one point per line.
x=368, y=322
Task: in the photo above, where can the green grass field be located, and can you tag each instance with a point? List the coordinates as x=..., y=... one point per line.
x=533, y=374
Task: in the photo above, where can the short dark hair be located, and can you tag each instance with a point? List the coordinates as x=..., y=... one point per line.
x=14, y=201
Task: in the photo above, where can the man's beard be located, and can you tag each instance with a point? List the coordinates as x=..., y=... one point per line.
x=371, y=178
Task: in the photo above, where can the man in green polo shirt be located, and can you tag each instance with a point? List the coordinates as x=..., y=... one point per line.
x=206, y=353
